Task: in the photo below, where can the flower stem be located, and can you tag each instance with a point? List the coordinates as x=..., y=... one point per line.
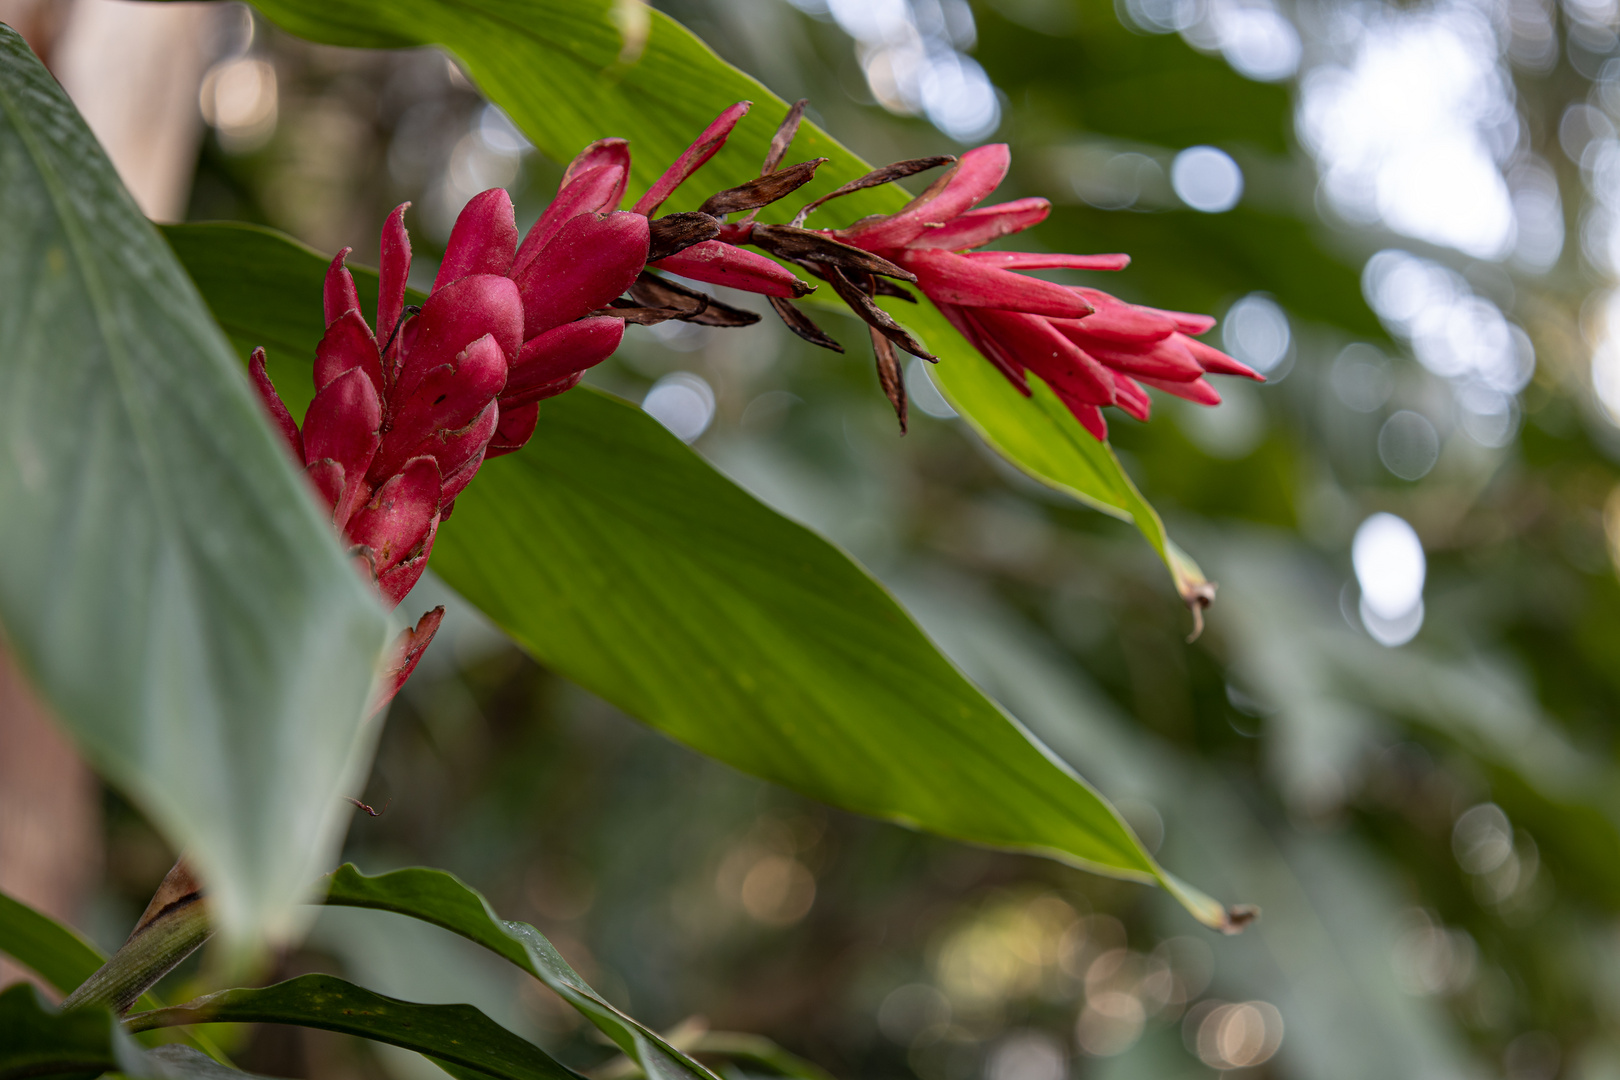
x=174, y=925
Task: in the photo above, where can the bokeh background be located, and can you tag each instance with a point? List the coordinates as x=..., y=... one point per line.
x=1396, y=735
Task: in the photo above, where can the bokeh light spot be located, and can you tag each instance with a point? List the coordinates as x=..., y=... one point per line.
x=683, y=403
x=1207, y=179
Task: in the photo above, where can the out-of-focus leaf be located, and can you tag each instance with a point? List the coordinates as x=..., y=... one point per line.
x=175, y=1062
x=459, y=1035
x=55, y=952
x=37, y=941
x=756, y=1050
x=560, y=71
x=37, y=1040
x=443, y=900
x=1099, y=77
x=620, y=559
x=168, y=584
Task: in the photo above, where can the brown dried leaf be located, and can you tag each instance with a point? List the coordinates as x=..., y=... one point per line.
x=861, y=303
x=784, y=137
x=886, y=175
x=886, y=287
x=801, y=324
x=890, y=376
x=650, y=290
x=761, y=191
x=677, y=232
x=805, y=246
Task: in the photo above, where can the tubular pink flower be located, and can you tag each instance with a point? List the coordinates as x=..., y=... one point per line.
x=692, y=159
x=407, y=410
x=590, y=260
x=1092, y=348
x=718, y=263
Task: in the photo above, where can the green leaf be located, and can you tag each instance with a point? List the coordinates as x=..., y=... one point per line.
x=37, y=941
x=566, y=73
x=56, y=953
x=619, y=558
x=1040, y=436
x=459, y=1035
x=37, y=1040
x=443, y=900
x=613, y=553
x=168, y=584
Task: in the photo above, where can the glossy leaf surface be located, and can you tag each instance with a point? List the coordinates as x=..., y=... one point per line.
x=168, y=586
x=616, y=556
x=443, y=900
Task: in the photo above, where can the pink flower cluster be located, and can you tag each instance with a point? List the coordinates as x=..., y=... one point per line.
x=1091, y=348
x=407, y=409
x=406, y=413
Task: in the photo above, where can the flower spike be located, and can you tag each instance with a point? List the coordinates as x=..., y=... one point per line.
x=1093, y=349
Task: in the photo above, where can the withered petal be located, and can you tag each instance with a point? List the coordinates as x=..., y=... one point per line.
x=653, y=291
x=801, y=324
x=805, y=245
x=761, y=191
x=861, y=303
x=885, y=287
x=784, y=137
x=677, y=232
x=886, y=175
x=890, y=375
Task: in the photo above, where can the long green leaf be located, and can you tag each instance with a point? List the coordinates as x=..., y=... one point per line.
x=167, y=582
x=37, y=941
x=443, y=900
x=56, y=953
x=571, y=71
x=459, y=1035
x=618, y=557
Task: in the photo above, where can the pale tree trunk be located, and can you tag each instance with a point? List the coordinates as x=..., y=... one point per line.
x=133, y=70
x=50, y=813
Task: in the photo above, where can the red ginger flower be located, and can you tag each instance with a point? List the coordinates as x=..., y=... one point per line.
x=1091, y=348
x=397, y=429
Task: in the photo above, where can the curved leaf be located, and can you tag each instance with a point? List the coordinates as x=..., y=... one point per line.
x=57, y=954
x=442, y=899
x=168, y=585
x=40, y=943
x=566, y=74
x=616, y=556
x=459, y=1035
x=1040, y=436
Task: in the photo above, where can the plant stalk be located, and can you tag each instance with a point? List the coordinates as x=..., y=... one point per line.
x=173, y=926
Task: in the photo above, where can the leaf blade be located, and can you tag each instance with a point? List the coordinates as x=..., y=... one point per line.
x=458, y=1034
x=618, y=557
x=169, y=587
x=440, y=898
